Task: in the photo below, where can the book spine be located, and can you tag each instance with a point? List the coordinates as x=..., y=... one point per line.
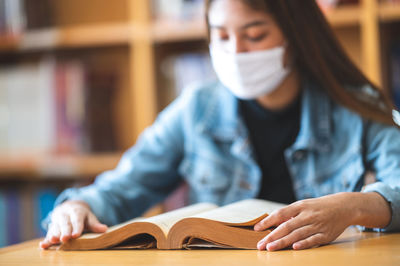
x=70, y=87
x=46, y=107
x=38, y=14
x=178, y=9
x=64, y=135
x=27, y=213
x=3, y=22
x=75, y=103
x=99, y=129
x=4, y=111
x=395, y=66
x=13, y=217
x=27, y=108
x=3, y=219
x=45, y=200
x=15, y=19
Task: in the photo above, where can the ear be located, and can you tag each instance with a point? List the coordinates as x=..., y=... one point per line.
x=288, y=56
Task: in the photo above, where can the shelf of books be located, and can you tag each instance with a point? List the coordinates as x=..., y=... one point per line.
x=389, y=11
x=344, y=16
x=68, y=37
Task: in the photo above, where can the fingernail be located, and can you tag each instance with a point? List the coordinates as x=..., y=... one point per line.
x=271, y=246
x=259, y=244
x=104, y=226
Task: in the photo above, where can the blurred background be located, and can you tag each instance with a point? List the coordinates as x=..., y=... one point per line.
x=79, y=81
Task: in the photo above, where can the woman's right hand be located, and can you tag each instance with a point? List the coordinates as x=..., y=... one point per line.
x=68, y=220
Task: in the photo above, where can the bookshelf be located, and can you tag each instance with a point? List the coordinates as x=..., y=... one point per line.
x=127, y=36
x=130, y=26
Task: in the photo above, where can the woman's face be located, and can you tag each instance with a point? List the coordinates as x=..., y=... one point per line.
x=236, y=28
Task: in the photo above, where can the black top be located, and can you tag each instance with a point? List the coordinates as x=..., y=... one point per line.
x=271, y=132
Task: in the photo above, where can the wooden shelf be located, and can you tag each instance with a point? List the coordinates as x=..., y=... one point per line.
x=389, y=12
x=344, y=16
x=103, y=35
x=8, y=43
x=71, y=37
x=56, y=166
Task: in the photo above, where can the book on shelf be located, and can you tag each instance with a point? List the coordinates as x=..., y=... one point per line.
x=3, y=220
x=12, y=19
x=395, y=73
x=202, y=225
x=178, y=9
x=183, y=70
x=84, y=108
x=17, y=16
x=22, y=208
x=56, y=106
x=13, y=216
x=26, y=109
x=26, y=196
x=98, y=113
x=38, y=13
x=44, y=199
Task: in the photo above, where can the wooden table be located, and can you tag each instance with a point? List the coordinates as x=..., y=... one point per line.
x=351, y=248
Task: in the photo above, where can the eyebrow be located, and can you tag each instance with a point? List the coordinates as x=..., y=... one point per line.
x=248, y=25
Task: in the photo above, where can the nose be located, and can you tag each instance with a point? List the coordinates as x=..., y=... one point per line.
x=236, y=45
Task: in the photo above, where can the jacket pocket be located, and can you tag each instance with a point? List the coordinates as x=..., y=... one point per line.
x=343, y=175
x=208, y=180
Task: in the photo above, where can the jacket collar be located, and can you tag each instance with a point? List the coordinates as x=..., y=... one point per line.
x=223, y=121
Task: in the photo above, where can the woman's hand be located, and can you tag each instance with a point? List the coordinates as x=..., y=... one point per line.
x=68, y=220
x=313, y=222
x=306, y=223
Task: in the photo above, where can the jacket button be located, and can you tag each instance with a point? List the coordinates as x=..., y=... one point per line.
x=299, y=155
x=244, y=185
x=307, y=195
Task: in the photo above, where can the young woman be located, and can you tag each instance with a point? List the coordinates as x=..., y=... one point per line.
x=291, y=120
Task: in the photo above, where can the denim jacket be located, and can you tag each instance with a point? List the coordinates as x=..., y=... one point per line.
x=201, y=137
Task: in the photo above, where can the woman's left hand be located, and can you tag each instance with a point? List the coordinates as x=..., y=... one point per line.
x=307, y=223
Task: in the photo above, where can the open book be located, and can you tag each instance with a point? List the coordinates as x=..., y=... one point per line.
x=200, y=225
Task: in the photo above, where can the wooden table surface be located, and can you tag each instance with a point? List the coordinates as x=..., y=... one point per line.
x=351, y=248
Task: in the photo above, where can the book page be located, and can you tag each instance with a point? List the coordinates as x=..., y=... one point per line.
x=112, y=228
x=242, y=213
x=166, y=220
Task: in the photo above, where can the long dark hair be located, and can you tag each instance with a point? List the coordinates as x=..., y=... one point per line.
x=319, y=56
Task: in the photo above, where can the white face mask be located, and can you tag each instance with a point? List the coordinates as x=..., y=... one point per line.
x=250, y=75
